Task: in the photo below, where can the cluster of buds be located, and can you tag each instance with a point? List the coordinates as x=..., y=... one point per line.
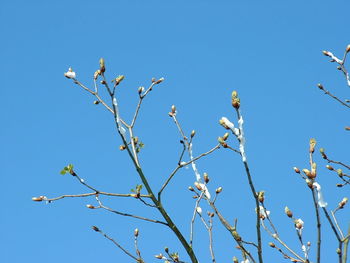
x=172, y=113
x=343, y=203
x=235, y=101
x=39, y=198
x=310, y=174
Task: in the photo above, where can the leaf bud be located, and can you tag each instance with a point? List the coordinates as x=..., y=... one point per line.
x=95, y=228
x=225, y=136
x=338, y=251
x=39, y=198
x=191, y=188
x=122, y=147
x=329, y=167
x=173, y=109
x=261, y=196
x=206, y=178
x=96, y=102
x=140, y=90
x=272, y=244
x=288, y=212
x=312, y=145
x=159, y=256
x=339, y=185
x=102, y=65
x=159, y=81
x=347, y=50
x=320, y=86
x=343, y=203
x=236, y=102
x=235, y=260
x=198, y=186
x=193, y=133
x=90, y=206
x=340, y=172
x=218, y=190
x=297, y=170
x=324, y=156
x=96, y=74
x=326, y=53
x=136, y=232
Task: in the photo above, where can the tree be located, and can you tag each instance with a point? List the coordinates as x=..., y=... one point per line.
x=145, y=192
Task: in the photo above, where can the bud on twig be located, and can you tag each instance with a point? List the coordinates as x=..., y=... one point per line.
x=95, y=228
x=136, y=232
x=206, y=178
x=343, y=203
x=272, y=245
x=326, y=53
x=191, y=188
x=288, y=212
x=38, y=199
x=261, y=196
x=90, y=206
x=140, y=90
x=319, y=85
x=218, y=190
x=297, y=170
x=198, y=186
x=329, y=167
x=347, y=50
x=159, y=81
x=324, y=156
x=235, y=100
x=159, y=256
x=225, y=136
x=102, y=65
x=235, y=260
x=122, y=147
x=312, y=145
x=96, y=102
x=193, y=133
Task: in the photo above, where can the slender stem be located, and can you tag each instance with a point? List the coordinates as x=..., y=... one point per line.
x=345, y=249
x=318, y=225
x=254, y=193
x=92, y=194
x=333, y=96
x=116, y=243
x=331, y=223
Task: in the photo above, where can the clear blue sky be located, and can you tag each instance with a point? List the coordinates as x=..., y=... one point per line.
x=270, y=51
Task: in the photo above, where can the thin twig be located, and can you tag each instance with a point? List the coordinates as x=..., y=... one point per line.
x=126, y=214
x=115, y=242
x=93, y=194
